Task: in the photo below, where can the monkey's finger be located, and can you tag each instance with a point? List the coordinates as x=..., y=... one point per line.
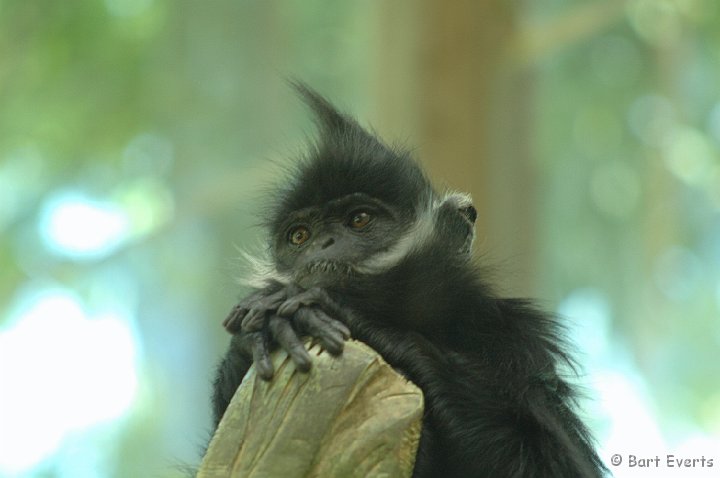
x=241, y=310
x=320, y=318
x=269, y=302
x=259, y=304
x=261, y=355
x=254, y=320
x=233, y=321
x=257, y=309
x=316, y=323
x=257, y=297
x=283, y=332
x=314, y=296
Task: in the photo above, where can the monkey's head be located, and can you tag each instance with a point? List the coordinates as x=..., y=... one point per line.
x=355, y=206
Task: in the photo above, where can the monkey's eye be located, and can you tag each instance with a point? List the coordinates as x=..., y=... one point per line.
x=298, y=235
x=360, y=219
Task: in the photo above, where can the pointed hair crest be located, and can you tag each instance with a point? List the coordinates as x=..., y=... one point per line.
x=344, y=159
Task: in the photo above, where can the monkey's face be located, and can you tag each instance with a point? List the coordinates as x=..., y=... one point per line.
x=327, y=244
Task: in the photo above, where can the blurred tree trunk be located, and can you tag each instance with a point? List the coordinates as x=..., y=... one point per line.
x=471, y=117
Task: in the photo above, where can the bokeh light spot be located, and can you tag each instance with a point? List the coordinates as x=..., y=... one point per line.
x=147, y=204
x=61, y=371
x=689, y=155
x=656, y=21
x=588, y=312
x=75, y=226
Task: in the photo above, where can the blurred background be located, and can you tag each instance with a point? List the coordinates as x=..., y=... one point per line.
x=136, y=137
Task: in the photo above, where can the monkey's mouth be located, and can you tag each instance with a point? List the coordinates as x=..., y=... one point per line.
x=318, y=272
x=328, y=267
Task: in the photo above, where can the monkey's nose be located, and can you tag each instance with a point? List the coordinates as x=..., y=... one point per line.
x=329, y=242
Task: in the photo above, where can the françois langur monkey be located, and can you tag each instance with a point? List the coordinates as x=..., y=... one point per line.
x=361, y=245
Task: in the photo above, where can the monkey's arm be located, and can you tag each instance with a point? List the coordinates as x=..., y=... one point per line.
x=229, y=375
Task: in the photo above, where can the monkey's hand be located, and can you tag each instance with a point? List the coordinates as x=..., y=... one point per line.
x=274, y=317
x=254, y=305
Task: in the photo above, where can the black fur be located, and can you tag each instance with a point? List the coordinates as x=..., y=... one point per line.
x=496, y=402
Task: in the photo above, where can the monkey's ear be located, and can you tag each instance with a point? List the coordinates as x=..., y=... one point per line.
x=327, y=116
